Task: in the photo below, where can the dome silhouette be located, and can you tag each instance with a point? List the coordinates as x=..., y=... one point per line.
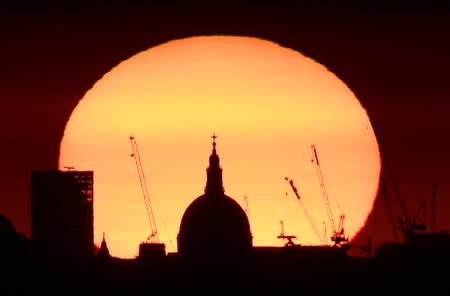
x=214, y=223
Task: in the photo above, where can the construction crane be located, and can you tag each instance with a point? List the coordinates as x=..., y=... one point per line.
x=384, y=194
x=153, y=237
x=289, y=238
x=305, y=210
x=337, y=234
x=408, y=225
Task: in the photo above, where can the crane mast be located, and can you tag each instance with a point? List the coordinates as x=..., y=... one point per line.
x=337, y=235
x=315, y=160
x=151, y=219
x=307, y=214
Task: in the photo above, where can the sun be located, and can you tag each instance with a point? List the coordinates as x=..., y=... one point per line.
x=267, y=104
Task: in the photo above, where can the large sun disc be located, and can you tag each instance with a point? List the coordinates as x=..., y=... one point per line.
x=268, y=104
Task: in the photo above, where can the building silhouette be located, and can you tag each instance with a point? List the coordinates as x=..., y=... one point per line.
x=214, y=224
x=62, y=212
x=215, y=253
x=103, y=251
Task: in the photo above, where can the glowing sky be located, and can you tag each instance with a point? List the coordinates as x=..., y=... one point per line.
x=266, y=103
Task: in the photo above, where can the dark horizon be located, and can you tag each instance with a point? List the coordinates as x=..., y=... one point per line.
x=393, y=57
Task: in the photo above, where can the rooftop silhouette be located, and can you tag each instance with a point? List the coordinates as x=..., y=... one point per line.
x=215, y=255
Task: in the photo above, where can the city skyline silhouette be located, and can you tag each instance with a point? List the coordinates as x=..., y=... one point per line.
x=214, y=246
x=394, y=57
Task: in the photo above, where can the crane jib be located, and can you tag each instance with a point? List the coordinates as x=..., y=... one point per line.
x=135, y=154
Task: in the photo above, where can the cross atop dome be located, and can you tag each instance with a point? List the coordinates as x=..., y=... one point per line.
x=214, y=172
x=214, y=137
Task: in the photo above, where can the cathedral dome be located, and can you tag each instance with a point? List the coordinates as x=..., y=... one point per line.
x=214, y=223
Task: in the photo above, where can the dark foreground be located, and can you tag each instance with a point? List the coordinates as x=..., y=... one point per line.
x=267, y=271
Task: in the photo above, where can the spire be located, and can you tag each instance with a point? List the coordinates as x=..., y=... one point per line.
x=103, y=251
x=214, y=137
x=214, y=172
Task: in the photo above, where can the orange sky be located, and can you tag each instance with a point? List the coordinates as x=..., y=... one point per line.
x=266, y=103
